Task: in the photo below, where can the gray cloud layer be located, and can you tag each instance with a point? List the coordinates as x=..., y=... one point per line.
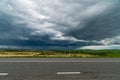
x=31, y=23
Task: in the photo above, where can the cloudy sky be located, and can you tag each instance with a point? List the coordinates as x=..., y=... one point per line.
x=60, y=24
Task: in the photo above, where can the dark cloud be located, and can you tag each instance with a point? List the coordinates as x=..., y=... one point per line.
x=60, y=23
x=105, y=25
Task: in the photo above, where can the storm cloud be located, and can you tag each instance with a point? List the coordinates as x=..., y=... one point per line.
x=59, y=23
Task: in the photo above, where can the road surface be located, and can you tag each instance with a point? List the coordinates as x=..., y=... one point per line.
x=59, y=69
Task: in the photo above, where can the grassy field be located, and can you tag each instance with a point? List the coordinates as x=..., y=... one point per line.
x=60, y=54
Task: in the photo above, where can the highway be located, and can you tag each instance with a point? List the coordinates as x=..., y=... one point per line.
x=59, y=69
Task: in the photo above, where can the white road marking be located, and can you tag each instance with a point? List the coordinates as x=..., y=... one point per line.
x=3, y=74
x=59, y=60
x=60, y=73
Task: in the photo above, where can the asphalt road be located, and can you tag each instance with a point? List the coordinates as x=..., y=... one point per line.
x=59, y=69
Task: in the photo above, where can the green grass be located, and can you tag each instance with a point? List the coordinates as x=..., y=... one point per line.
x=60, y=54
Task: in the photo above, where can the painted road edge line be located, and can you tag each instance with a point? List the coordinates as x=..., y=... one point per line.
x=60, y=73
x=3, y=74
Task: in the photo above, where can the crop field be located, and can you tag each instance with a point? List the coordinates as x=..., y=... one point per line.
x=60, y=54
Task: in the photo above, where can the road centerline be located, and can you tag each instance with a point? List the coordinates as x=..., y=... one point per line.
x=63, y=73
x=3, y=74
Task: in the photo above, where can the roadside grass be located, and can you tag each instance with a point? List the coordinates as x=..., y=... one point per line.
x=60, y=54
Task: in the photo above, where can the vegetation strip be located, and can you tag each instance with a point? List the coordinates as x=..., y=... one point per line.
x=60, y=54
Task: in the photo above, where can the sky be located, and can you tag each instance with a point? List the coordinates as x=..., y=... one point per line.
x=60, y=24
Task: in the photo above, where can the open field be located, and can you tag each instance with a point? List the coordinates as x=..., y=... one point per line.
x=60, y=54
